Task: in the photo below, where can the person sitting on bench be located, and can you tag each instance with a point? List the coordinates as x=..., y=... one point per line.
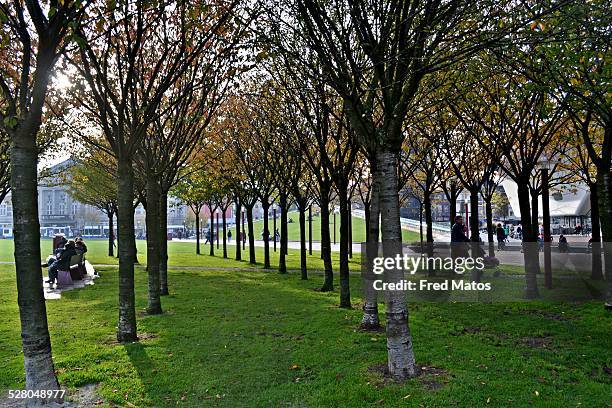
x=80, y=246
x=60, y=246
x=62, y=262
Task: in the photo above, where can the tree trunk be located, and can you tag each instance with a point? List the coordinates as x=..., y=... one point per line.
x=490, y=237
x=238, y=230
x=452, y=205
x=429, y=228
x=197, y=233
x=282, y=260
x=428, y=217
x=302, y=209
x=474, y=221
x=345, y=288
x=370, y=319
x=350, y=229
x=126, y=330
x=310, y=229
x=328, y=280
x=111, y=234
x=535, y=212
x=530, y=249
x=604, y=190
x=596, y=266
x=421, y=224
x=265, y=205
x=366, y=212
x=224, y=220
x=153, y=245
x=401, y=362
x=474, y=232
x=211, y=231
x=251, y=234
x=36, y=343
x=163, y=244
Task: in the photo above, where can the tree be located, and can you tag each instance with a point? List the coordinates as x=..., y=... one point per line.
x=427, y=157
x=254, y=136
x=191, y=190
x=578, y=163
x=310, y=118
x=500, y=204
x=569, y=55
x=32, y=40
x=238, y=134
x=423, y=163
x=180, y=131
x=368, y=194
x=5, y=165
x=299, y=182
x=318, y=115
x=93, y=182
x=379, y=56
x=487, y=192
x=519, y=121
x=475, y=168
x=128, y=62
x=223, y=202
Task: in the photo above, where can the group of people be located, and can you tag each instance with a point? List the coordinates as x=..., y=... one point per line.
x=62, y=254
x=209, y=238
x=501, y=233
x=276, y=235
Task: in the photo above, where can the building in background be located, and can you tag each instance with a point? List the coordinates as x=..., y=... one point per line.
x=59, y=213
x=568, y=207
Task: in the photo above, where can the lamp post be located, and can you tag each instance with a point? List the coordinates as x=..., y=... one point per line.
x=217, y=221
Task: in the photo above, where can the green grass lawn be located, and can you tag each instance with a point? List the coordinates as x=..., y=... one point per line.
x=183, y=254
x=293, y=228
x=255, y=338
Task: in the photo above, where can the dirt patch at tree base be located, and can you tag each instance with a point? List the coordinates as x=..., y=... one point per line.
x=368, y=329
x=430, y=377
x=544, y=342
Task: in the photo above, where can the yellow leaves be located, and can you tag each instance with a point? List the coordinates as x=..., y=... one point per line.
x=494, y=108
x=261, y=56
x=295, y=367
x=574, y=81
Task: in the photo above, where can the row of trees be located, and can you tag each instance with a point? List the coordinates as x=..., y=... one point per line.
x=315, y=102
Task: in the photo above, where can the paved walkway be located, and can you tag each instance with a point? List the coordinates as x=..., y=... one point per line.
x=54, y=292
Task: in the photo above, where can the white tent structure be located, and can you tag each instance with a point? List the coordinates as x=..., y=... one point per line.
x=565, y=206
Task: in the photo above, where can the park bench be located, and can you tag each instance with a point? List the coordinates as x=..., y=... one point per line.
x=77, y=267
x=76, y=271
